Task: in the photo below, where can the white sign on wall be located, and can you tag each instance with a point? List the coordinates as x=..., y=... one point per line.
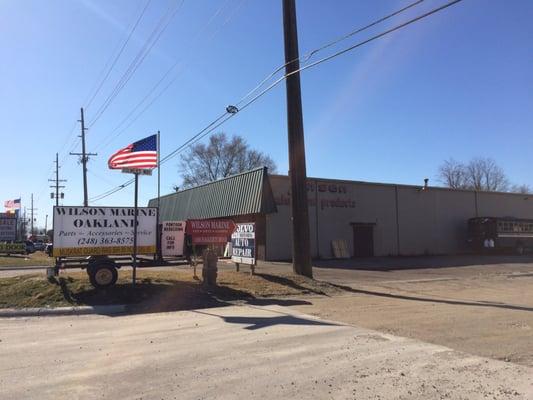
x=83, y=231
x=243, y=244
x=172, y=238
x=8, y=229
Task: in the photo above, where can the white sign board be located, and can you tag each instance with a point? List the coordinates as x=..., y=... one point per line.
x=84, y=231
x=172, y=238
x=8, y=229
x=243, y=244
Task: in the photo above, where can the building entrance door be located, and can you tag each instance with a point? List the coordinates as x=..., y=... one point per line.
x=363, y=240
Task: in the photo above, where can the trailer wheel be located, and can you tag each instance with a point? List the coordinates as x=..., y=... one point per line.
x=102, y=275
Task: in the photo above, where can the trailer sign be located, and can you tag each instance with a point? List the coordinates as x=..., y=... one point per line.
x=243, y=244
x=88, y=231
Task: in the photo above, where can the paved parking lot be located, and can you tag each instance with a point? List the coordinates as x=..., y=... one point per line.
x=237, y=352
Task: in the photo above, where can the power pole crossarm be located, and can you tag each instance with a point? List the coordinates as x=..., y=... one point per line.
x=57, y=186
x=84, y=158
x=301, y=251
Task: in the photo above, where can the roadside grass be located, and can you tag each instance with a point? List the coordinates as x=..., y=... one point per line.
x=156, y=290
x=25, y=260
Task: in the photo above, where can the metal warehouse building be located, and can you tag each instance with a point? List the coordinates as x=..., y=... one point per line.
x=373, y=219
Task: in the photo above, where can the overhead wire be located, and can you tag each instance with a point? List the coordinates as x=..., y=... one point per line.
x=310, y=54
x=150, y=42
x=111, y=136
x=98, y=86
x=220, y=120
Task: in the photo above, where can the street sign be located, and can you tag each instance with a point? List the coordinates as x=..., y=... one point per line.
x=243, y=244
x=210, y=231
x=137, y=171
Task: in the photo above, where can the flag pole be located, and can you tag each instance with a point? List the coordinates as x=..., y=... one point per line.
x=158, y=171
x=135, y=218
x=159, y=256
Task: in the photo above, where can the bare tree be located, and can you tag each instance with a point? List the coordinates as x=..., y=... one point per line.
x=523, y=189
x=485, y=174
x=453, y=174
x=477, y=174
x=220, y=158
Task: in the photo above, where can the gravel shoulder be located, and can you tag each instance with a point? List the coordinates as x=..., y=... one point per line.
x=237, y=352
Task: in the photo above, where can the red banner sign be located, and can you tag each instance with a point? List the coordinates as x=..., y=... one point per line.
x=209, y=231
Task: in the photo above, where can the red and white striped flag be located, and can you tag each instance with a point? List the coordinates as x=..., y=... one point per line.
x=139, y=155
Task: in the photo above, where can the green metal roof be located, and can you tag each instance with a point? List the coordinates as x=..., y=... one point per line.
x=246, y=193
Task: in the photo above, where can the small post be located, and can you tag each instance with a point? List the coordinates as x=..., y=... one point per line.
x=237, y=267
x=135, y=228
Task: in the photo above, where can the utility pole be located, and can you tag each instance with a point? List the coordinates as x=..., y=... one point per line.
x=32, y=219
x=301, y=251
x=57, y=186
x=84, y=158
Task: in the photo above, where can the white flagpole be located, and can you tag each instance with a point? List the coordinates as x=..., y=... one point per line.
x=159, y=253
x=158, y=171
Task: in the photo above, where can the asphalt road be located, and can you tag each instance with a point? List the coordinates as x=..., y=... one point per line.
x=237, y=352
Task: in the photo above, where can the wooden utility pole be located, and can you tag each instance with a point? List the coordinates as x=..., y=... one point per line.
x=301, y=251
x=84, y=158
x=32, y=210
x=57, y=186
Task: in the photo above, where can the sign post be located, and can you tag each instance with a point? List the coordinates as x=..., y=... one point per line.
x=135, y=222
x=137, y=158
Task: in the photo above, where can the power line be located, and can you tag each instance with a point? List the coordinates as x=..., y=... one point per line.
x=308, y=55
x=112, y=137
x=221, y=120
x=150, y=42
x=113, y=63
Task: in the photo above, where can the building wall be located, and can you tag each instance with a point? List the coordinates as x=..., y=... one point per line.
x=406, y=219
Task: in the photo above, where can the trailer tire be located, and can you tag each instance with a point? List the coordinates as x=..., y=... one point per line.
x=102, y=275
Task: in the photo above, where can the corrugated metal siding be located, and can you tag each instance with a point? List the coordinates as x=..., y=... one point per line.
x=246, y=193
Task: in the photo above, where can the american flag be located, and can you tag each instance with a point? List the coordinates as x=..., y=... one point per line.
x=139, y=155
x=12, y=204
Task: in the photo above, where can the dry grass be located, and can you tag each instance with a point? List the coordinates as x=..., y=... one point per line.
x=26, y=260
x=163, y=290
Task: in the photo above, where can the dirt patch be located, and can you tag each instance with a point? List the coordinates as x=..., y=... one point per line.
x=484, y=310
x=158, y=290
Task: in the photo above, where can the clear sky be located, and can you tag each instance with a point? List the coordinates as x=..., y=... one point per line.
x=456, y=84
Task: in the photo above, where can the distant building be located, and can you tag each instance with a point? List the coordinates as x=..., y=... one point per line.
x=372, y=219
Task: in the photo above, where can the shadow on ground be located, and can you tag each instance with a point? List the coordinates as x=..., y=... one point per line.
x=420, y=262
x=253, y=323
x=480, y=303
x=151, y=297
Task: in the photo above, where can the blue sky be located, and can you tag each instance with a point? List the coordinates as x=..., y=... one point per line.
x=457, y=84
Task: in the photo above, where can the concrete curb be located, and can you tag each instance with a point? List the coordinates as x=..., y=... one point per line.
x=83, y=310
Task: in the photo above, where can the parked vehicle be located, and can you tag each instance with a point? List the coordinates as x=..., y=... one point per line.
x=30, y=247
x=39, y=245
x=495, y=233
